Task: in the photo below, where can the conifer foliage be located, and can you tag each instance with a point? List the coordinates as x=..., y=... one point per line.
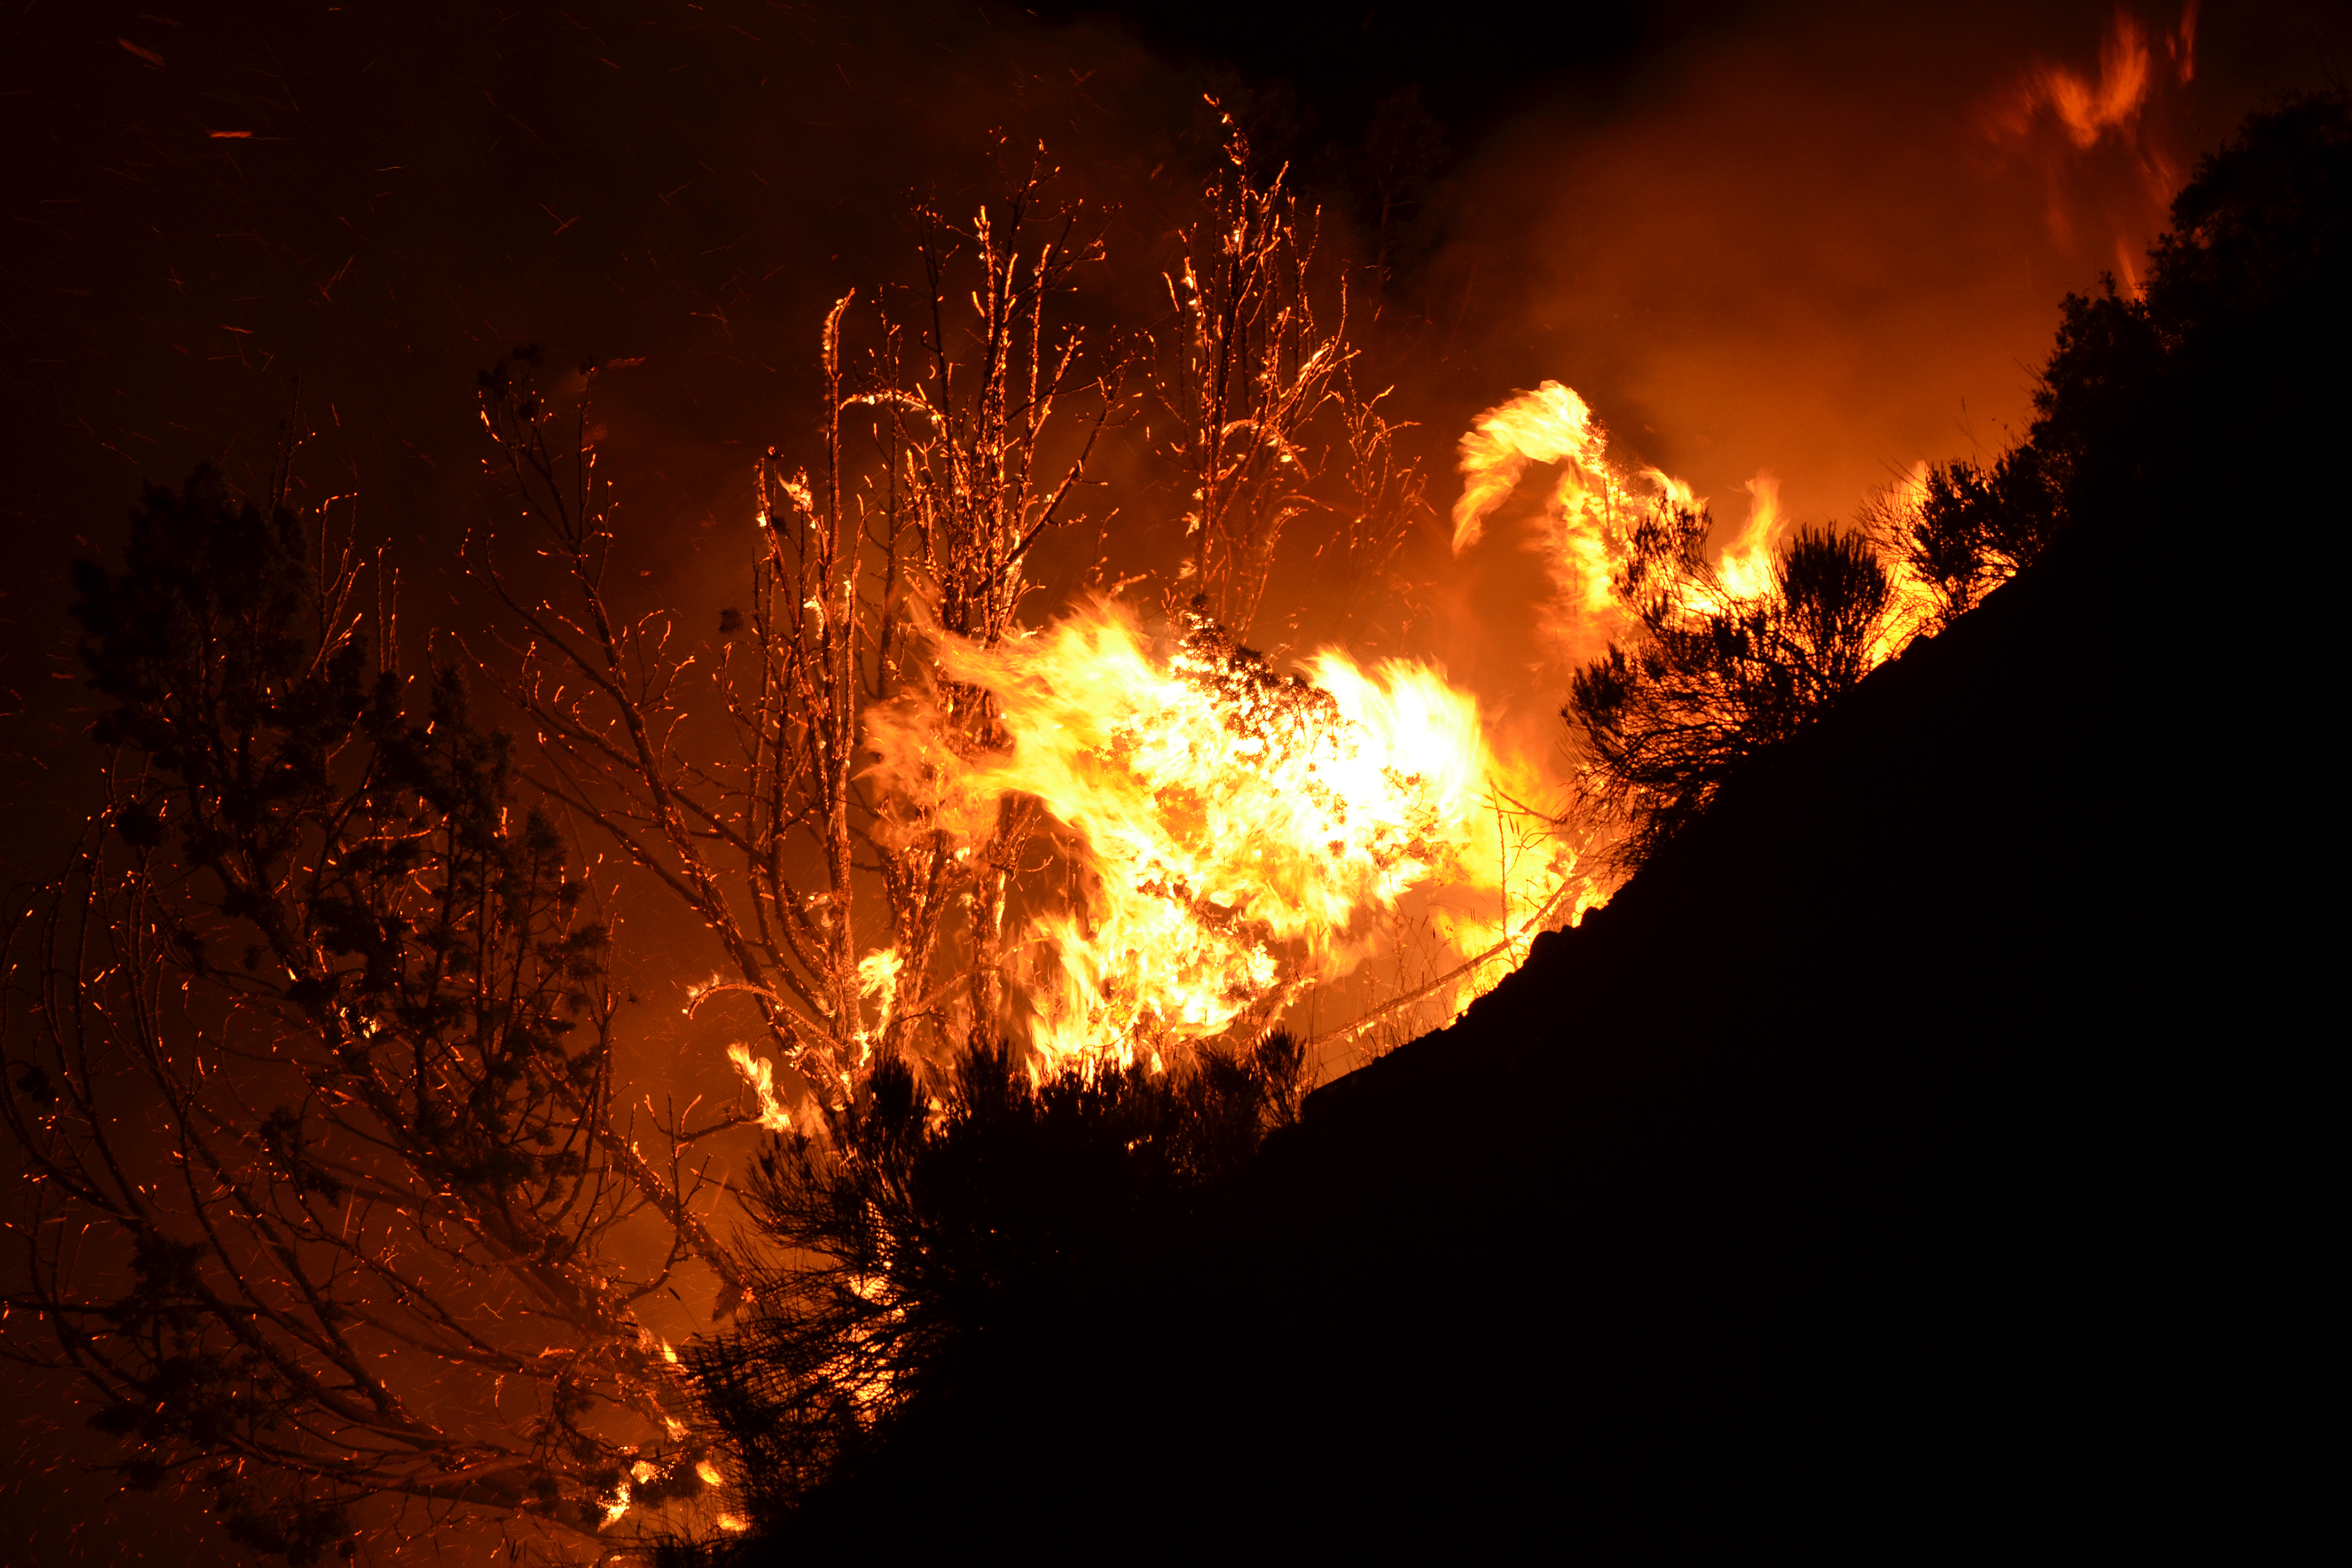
x=1712, y=676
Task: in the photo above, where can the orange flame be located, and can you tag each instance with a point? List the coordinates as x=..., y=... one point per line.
x=2111, y=106
x=1238, y=824
x=1593, y=502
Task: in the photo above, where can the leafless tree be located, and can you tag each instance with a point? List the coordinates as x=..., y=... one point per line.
x=856, y=905
x=1252, y=372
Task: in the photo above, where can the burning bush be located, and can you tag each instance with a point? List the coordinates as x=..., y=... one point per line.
x=1717, y=676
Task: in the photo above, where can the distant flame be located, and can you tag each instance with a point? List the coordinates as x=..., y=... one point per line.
x=2110, y=107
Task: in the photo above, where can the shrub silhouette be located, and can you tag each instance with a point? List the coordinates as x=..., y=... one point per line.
x=2224, y=353
x=926, y=1238
x=2243, y=313
x=1713, y=677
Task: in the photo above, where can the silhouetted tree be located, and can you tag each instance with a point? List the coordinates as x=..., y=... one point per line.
x=1970, y=529
x=2227, y=353
x=1713, y=677
x=310, y=1054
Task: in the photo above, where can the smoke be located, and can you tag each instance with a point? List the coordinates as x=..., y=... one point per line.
x=1820, y=245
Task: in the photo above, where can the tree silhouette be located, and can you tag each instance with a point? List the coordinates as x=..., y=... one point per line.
x=2224, y=353
x=310, y=1052
x=2227, y=352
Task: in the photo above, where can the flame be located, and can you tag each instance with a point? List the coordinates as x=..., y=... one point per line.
x=762, y=1077
x=1238, y=824
x=2111, y=106
x=1747, y=563
x=877, y=976
x=2091, y=110
x=1591, y=499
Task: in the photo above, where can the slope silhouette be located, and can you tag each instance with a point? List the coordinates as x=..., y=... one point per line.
x=1927, y=1154
x=1912, y=1154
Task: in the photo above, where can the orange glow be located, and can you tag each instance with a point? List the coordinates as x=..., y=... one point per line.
x=1593, y=504
x=2112, y=106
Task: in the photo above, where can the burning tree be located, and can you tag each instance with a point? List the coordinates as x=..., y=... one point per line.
x=1252, y=372
x=859, y=852
x=849, y=912
x=311, y=1059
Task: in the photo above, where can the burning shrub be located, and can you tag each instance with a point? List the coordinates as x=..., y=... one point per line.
x=1713, y=676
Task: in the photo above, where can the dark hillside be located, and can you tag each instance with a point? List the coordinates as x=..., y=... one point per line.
x=1931, y=1152
x=1920, y=1152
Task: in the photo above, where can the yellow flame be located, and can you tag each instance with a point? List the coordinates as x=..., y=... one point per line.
x=762, y=1077
x=877, y=976
x=1237, y=824
x=1591, y=501
x=1747, y=563
x=1593, y=505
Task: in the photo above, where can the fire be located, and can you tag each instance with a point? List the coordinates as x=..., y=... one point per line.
x=1239, y=825
x=2091, y=108
x=2112, y=106
x=1593, y=501
x=761, y=1079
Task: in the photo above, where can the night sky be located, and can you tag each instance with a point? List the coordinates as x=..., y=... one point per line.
x=1808, y=239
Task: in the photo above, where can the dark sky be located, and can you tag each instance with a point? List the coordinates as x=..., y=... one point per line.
x=1818, y=240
